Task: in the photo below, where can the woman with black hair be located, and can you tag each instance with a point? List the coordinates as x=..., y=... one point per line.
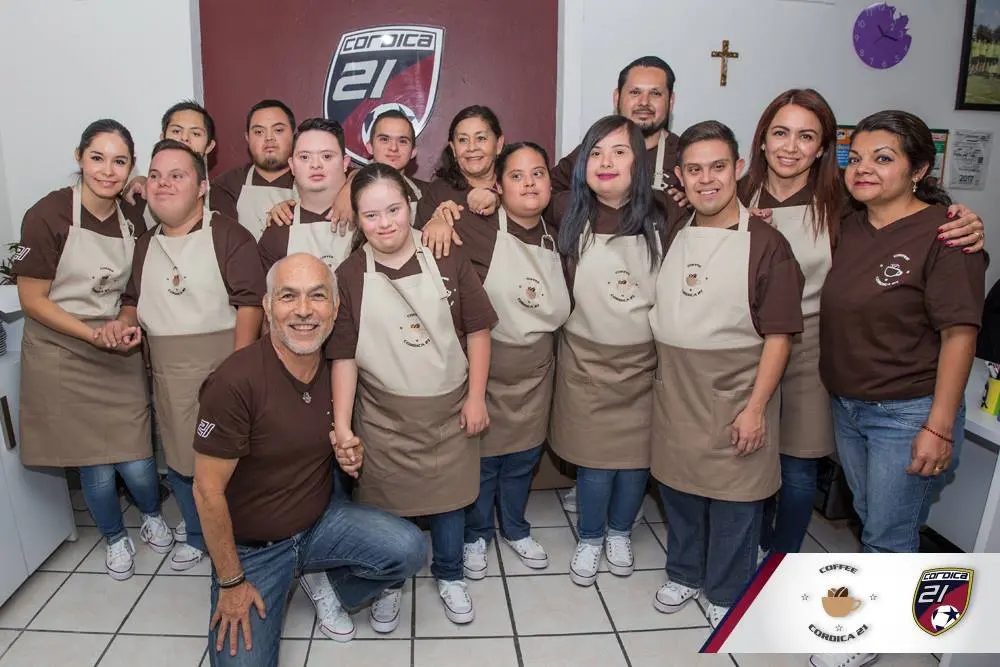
x=609, y=237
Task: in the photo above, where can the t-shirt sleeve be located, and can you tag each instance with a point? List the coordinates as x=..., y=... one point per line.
x=224, y=419
x=41, y=246
x=561, y=175
x=130, y=297
x=777, y=302
x=273, y=246
x=343, y=341
x=241, y=268
x=955, y=287
x=477, y=311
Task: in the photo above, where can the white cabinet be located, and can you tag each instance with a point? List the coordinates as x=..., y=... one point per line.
x=36, y=515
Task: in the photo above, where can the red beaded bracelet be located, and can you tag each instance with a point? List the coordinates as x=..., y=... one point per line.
x=933, y=432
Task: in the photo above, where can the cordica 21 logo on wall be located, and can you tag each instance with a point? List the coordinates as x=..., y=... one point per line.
x=381, y=68
x=942, y=598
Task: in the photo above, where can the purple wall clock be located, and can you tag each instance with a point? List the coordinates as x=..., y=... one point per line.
x=880, y=36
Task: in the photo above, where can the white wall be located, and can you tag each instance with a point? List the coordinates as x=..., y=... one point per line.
x=69, y=62
x=782, y=44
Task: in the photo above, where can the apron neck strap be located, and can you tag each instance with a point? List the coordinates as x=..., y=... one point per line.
x=413, y=187
x=430, y=267
x=249, y=178
x=756, y=197
x=659, y=177
x=369, y=258
x=297, y=214
x=124, y=225
x=502, y=219
x=744, y=219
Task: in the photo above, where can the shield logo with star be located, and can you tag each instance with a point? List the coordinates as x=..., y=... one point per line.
x=942, y=598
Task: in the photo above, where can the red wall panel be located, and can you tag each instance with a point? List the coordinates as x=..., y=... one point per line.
x=501, y=54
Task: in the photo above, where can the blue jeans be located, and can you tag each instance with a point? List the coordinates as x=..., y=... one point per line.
x=363, y=550
x=183, y=488
x=504, y=482
x=873, y=442
x=447, y=538
x=711, y=544
x=787, y=515
x=101, y=493
x=608, y=499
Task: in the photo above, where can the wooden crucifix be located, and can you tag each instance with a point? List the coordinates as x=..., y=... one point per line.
x=725, y=54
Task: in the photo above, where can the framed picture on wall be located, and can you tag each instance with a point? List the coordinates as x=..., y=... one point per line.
x=979, y=71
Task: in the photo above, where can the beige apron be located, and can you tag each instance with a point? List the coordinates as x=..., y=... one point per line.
x=659, y=176
x=528, y=291
x=708, y=356
x=190, y=325
x=411, y=387
x=255, y=201
x=319, y=240
x=602, y=402
x=806, y=417
x=81, y=405
x=416, y=197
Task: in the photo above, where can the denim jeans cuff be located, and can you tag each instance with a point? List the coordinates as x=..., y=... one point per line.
x=117, y=537
x=592, y=541
x=619, y=533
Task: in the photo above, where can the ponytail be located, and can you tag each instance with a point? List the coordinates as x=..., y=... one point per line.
x=930, y=192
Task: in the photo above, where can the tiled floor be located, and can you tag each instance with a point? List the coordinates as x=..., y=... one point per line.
x=70, y=614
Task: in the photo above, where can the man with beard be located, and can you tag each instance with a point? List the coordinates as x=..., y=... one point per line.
x=247, y=193
x=645, y=95
x=269, y=493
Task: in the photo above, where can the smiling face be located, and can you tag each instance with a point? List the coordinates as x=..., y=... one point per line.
x=392, y=143
x=525, y=188
x=318, y=162
x=173, y=191
x=793, y=141
x=384, y=216
x=644, y=99
x=475, y=147
x=105, y=165
x=301, y=303
x=708, y=174
x=188, y=126
x=270, y=139
x=609, y=166
x=878, y=170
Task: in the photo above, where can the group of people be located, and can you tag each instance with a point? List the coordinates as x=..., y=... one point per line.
x=331, y=352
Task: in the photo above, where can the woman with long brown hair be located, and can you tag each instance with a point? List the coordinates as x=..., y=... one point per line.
x=794, y=174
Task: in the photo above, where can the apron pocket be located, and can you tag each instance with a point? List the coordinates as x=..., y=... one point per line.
x=726, y=407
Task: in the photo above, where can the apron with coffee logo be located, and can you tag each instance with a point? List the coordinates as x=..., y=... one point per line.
x=806, y=417
x=318, y=239
x=412, y=385
x=190, y=325
x=256, y=201
x=708, y=352
x=528, y=291
x=81, y=405
x=602, y=401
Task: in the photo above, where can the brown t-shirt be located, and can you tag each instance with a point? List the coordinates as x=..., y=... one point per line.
x=479, y=238
x=252, y=409
x=885, y=301
x=226, y=188
x=273, y=244
x=236, y=253
x=471, y=310
x=434, y=193
x=774, y=280
x=45, y=229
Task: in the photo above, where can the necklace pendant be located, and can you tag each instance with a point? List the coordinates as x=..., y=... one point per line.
x=307, y=397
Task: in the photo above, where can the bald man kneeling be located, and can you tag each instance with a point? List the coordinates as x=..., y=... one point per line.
x=270, y=502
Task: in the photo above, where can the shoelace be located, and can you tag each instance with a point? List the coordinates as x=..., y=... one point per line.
x=387, y=603
x=593, y=552
x=457, y=587
x=154, y=527
x=617, y=545
x=119, y=551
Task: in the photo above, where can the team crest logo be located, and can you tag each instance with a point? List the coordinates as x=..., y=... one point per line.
x=530, y=293
x=104, y=281
x=623, y=287
x=942, y=598
x=694, y=279
x=892, y=273
x=377, y=69
x=414, y=333
x=176, y=281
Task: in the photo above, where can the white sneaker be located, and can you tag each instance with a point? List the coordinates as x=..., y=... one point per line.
x=384, y=614
x=583, y=567
x=474, y=559
x=119, y=561
x=618, y=553
x=843, y=659
x=156, y=533
x=761, y=555
x=672, y=597
x=334, y=621
x=457, y=602
x=715, y=614
x=568, y=500
x=185, y=557
x=531, y=553
x=181, y=532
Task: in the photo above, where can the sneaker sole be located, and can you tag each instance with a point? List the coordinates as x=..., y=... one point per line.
x=664, y=608
x=533, y=563
x=159, y=549
x=582, y=580
x=341, y=638
x=475, y=575
x=120, y=576
x=460, y=618
x=620, y=570
x=383, y=627
x=184, y=565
